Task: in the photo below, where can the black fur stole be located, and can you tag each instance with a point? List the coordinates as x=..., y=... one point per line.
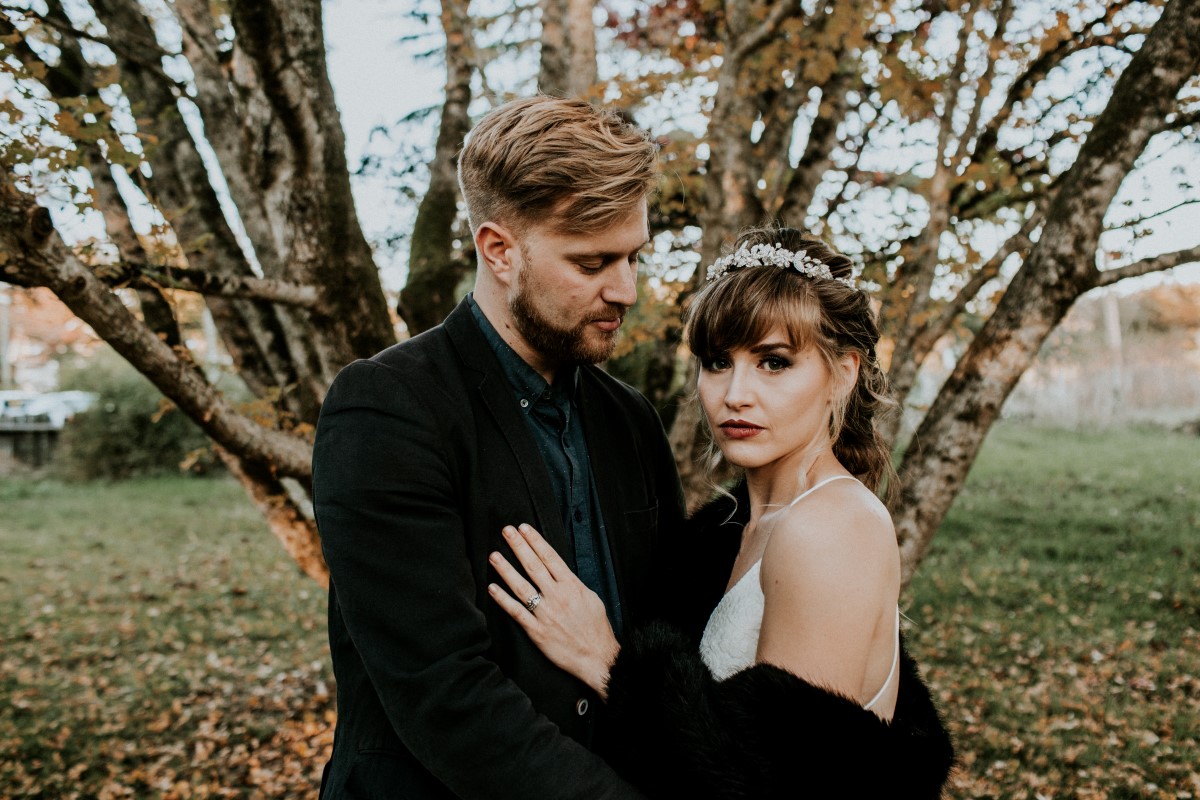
x=763, y=733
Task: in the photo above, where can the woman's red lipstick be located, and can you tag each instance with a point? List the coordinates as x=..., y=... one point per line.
x=740, y=428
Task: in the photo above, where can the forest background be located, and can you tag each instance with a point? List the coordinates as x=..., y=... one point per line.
x=987, y=164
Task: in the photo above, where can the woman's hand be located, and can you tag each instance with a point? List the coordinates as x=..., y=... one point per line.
x=563, y=617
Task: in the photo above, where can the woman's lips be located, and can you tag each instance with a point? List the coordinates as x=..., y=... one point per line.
x=740, y=429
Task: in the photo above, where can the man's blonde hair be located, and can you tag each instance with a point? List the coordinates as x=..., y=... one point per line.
x=558, y=161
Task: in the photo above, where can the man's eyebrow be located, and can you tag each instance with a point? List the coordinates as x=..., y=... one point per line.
x=607, y=254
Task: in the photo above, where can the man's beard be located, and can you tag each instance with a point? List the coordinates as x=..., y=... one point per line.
x=562, y=346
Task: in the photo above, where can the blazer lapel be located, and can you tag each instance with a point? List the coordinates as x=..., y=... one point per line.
x=497, y=395
x=610, y=455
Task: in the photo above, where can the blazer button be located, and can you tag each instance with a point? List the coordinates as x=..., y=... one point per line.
x=581, y=706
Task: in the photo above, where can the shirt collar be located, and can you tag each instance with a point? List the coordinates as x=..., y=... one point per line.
x=528, y=385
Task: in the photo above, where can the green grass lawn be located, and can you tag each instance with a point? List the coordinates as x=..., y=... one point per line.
x=156, y=643
x=1058, y=614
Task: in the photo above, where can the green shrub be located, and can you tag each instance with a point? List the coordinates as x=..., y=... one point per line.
x=132, y=430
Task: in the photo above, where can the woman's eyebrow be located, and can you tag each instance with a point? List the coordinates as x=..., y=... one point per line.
x=767, y=347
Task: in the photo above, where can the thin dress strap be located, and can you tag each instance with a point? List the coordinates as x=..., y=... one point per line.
x=818, y=485
x=895, y=663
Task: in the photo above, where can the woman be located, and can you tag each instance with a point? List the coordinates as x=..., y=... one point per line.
x=801, y=687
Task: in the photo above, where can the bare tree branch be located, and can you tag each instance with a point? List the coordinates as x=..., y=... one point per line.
x=909, y=306
x=1040, y=67
x=927, y=335
x=970, y=130
x=818, y=152
x=1183, y=119
x=133, y=52
x=206, y=283
x=32, y=252
x=1148, y=217
x=1148, y=265
x=765, y=31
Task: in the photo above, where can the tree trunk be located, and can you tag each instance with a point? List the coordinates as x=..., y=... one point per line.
x=555, y=64
x=294, y=529
x=307, y=197
x=182, y=190
x=434, y=271
x=581, y=37
x=568, y=48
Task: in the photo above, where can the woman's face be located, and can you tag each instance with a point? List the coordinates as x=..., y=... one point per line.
x=770, y=401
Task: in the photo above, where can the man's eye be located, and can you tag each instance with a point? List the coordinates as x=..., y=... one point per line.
x=590, y=266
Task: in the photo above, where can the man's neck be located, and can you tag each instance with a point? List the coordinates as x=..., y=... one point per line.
x=496, y=311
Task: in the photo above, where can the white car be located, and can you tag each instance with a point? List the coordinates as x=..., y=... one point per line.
x=54, y=407
x=13, y=403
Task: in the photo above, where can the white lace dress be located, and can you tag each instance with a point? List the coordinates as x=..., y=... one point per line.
x=730, y=641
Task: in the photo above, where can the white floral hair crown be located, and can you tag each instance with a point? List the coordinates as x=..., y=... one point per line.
x=774, y=255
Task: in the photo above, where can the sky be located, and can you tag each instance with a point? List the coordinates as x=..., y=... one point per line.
x=376, y=81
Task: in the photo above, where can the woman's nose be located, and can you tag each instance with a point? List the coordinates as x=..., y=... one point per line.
x=738, y=392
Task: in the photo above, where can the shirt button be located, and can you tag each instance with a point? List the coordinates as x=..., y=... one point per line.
x=524, y=403
x=578, y=515
x=581, y=706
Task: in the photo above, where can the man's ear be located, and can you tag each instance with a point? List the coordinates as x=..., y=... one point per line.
x=496, y=247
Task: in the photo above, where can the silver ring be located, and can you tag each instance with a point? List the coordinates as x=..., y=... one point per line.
x=533, y=601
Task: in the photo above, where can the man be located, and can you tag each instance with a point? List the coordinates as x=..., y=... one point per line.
x=496, y=417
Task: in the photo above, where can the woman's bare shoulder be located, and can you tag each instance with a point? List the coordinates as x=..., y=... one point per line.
x=841, y=535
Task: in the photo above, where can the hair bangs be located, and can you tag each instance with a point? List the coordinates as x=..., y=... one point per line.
x=743, y=309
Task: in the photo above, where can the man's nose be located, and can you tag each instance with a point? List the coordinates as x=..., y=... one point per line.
x=622, y=288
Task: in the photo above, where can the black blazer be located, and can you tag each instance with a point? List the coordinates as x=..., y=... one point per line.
x=421, y=458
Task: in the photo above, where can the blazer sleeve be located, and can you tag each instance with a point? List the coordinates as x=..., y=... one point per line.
x=763, y=732
x=387, y=508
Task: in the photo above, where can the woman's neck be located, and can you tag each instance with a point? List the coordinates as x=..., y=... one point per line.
x=774, y=485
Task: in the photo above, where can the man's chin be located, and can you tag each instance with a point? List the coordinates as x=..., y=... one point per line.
x=598, y=346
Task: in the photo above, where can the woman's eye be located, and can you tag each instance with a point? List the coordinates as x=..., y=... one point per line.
x=775, y=363
x=715, y=364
